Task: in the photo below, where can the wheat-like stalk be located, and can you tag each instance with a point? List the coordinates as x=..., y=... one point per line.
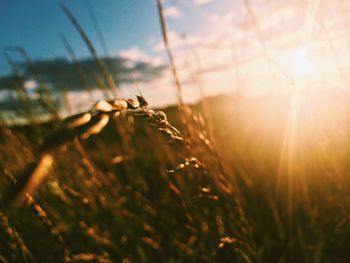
x=82, y=126
x=99, y=63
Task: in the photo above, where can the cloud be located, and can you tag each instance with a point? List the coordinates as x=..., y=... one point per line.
x=30, y=84
x=177, y=41
x=62, y=75
x=59, y=73
x=134, y=54
x=10, y=103
x=172, y=12
x=202, y=2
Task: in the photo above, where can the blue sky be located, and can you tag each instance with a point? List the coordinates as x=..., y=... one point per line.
x=130, y=28
x=221, y=44
x=36, y=24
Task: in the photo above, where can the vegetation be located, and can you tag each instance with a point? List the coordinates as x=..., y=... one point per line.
x=124, y=182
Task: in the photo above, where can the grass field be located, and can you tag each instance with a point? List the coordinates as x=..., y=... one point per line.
x=230, y=178
x=137, y=199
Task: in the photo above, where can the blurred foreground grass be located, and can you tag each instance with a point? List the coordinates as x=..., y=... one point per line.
x=138, y=199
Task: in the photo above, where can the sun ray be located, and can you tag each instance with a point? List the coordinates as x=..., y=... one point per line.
x=299, y=66
x=286, y=167
x=309, y=21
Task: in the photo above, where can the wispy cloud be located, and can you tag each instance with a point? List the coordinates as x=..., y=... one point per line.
x=202, y=2
x=56, y=72
x=135, y=54
x=177, y=41
x=172, y=12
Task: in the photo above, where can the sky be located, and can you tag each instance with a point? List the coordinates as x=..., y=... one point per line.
x=35, y=25
x=130, y=29
x=218, y=44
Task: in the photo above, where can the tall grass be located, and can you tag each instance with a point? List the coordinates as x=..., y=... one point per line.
x=124, y=182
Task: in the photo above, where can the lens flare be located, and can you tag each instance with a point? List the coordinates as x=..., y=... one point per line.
x=300, y=63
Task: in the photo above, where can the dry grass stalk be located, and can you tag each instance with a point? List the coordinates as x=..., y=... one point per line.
x=46, y=98
x=14, y=240
x=93, y=121
x=21, y=91
x=42, y=216
x=75, y=61
x=169, y=53
x=30, y=179
x=99, y=63
x=82, y=126
x=89, y=257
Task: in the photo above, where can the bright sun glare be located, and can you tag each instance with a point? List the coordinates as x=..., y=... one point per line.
x=300, y=63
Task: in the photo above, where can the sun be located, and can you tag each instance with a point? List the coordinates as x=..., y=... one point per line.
x=300, y=64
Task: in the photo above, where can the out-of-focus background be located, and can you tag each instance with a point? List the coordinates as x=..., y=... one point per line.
x=242, y=153
x=222, y=46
